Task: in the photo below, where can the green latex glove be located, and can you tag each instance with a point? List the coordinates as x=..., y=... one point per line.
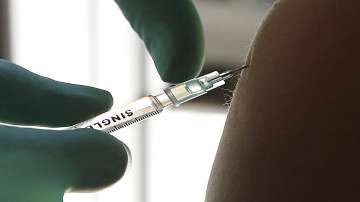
x=40, y=165
x=173, y=35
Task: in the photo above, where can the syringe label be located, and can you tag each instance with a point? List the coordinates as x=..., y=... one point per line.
x=112, y=119
x=125, y=116
x=130, y=122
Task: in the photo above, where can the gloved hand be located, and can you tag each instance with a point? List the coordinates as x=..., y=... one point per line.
x=40, y=165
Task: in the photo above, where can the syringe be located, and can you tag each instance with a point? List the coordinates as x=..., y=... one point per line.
x=151, y=105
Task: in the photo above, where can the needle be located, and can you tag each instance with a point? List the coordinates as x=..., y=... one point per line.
x=232, y=73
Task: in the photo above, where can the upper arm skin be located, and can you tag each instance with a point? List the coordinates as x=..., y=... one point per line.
x=292, y=133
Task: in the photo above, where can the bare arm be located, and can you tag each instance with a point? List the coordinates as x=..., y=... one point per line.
x=292, y=133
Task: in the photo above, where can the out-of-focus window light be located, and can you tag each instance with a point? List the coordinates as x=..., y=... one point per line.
x=182, y=148
x=51, y=38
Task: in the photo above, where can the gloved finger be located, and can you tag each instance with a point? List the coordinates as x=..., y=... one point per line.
x=172, y=33
x=30, y=99
x=43, y=164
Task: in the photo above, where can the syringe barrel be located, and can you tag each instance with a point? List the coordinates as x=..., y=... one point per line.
x=151, y=105
x=125, y=116
x=186, y=91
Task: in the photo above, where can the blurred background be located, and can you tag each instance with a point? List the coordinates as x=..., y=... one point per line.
x=89, y=42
